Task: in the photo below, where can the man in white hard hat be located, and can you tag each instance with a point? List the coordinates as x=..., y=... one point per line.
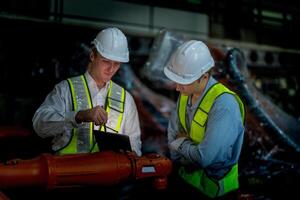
x=81, y=104
x=205, y=132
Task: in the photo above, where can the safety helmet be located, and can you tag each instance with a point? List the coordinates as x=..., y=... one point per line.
x=189, y=62
x=111, y=43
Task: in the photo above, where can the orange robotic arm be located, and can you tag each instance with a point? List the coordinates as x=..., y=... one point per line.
x=102, y=168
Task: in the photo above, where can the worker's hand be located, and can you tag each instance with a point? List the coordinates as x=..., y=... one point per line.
x=181, y=134
x=97, y=115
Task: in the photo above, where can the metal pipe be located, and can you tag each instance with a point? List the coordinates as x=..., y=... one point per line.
x=102, y=168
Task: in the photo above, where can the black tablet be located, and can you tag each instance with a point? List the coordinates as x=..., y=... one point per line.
x=112, y=141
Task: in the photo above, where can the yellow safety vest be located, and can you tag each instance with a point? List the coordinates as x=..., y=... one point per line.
x=82, y=140
x=198, y=178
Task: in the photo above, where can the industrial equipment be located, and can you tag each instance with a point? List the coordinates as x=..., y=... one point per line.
x=100, y=169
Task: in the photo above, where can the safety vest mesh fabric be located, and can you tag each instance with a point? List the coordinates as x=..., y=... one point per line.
x=198, y=178
x=82, y=140
x=115, y=103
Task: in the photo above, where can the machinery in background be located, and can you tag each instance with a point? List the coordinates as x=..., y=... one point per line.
x=163, y=46
x=282, y=124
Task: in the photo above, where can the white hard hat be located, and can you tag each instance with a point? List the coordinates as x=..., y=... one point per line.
x=189, y=62
x=111, y=43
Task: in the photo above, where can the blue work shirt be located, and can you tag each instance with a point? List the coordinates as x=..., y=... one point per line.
x=221, y=146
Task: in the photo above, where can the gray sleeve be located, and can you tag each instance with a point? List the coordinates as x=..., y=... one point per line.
x=174, y=127
x=222, y=138
x=55, y=115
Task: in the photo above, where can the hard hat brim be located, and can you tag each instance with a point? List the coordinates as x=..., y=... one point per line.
x=111, y=57
x=178, y=79
x=114, y=58
x=185, y=81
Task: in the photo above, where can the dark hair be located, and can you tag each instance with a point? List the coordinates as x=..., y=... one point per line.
x=210, y=71
x=94, y=50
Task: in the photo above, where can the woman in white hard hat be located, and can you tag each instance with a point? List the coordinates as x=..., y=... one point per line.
x=81, y=104
x=205, y=132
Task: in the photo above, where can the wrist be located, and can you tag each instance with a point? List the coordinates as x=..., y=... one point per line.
x=79, y=117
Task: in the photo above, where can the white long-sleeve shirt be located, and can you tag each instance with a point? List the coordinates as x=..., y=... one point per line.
x=55, y=118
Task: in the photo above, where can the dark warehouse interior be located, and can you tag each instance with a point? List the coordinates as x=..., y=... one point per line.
x=255, y=45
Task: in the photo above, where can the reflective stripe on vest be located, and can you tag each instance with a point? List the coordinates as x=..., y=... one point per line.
x=114, y=107
x=82, y=140
x=199, y=178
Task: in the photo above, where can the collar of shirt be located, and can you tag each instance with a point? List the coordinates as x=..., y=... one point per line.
x=95, y=91
x=210, y=82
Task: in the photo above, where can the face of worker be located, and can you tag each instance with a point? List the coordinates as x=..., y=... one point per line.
x=197, y=87
x=102, y=68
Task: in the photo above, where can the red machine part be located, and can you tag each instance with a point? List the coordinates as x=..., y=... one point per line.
x=102, y=168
